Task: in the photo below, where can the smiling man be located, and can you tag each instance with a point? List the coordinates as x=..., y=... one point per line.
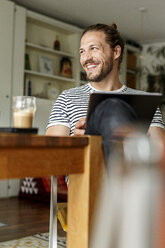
x=100, y=61
x=101, y=53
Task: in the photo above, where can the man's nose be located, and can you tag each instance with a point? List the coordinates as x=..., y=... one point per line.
x=87, y=56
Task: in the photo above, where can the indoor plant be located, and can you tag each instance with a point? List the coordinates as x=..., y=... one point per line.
x=156, y=70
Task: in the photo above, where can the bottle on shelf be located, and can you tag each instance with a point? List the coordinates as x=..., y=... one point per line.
x=57, y=43
x=27, y=87
x=27, y=62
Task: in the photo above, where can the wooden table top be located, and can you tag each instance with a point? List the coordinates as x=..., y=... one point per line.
x=27, y=155
x=17, y=140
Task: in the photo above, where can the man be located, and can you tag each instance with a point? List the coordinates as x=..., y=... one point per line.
x=101, y=53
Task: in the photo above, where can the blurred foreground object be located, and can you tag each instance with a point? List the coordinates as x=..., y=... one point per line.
x=129, y=209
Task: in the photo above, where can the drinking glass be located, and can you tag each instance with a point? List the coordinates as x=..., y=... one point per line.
x=23, y=108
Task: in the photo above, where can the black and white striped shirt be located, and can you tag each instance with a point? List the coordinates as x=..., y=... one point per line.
x=72, y=105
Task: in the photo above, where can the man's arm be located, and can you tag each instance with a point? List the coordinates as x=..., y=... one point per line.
x=81, y=124
x=58, y=130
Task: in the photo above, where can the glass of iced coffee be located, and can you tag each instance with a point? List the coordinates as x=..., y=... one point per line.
x=23, y=108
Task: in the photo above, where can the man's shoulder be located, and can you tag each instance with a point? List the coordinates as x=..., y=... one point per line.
x=131, y=90
x=77, y=90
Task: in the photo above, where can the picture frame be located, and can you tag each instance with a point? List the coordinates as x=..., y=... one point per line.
x=45, y=65
x=66, y=67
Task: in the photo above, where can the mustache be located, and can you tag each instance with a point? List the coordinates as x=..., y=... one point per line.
x=89, y=61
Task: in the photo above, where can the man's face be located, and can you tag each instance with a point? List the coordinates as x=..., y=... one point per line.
x=96, y=56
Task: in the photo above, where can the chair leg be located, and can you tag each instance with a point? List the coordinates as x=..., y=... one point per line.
x=53, y=214
x=62, y=214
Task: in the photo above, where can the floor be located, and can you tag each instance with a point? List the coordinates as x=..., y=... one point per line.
x=23, y=218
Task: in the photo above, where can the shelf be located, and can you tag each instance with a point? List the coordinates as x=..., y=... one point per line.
x=49, y=50
x=50, y=76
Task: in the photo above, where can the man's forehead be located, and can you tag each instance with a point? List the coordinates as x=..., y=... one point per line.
x=92, y=37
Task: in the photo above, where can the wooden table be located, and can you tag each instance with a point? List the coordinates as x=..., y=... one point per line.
x=81, y=158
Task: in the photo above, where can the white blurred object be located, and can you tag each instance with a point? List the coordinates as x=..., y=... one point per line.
x=128, y=202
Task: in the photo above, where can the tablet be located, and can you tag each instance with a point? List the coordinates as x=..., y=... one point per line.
x=144, y=104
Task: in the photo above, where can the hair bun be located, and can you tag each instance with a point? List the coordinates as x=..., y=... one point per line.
x=113, y=26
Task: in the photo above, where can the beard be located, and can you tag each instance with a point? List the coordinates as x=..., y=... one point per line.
x=103, y=72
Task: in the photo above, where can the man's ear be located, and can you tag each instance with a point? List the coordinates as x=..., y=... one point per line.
x=117, y=52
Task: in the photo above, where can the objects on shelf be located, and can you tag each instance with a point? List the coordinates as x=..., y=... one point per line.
x=27, y=87
x=66, y=67
x=57, y=43
x=45, y=65
x=47, y=43
x=51, y=92
x=27, y=62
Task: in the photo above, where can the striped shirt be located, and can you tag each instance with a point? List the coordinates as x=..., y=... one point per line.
x=72, y=105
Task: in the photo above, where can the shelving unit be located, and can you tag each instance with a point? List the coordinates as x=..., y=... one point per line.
x=39, y=74
x=41, y=32
x=132, y=64
x=49, y=50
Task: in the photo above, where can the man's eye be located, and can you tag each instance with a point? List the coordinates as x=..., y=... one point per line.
x=94, y=48
x=81, y=51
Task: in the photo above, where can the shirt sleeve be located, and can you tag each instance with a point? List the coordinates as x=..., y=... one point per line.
x=59, y=113
x=157, y=120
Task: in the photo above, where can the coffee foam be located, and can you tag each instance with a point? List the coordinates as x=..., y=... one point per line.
x=23, y=118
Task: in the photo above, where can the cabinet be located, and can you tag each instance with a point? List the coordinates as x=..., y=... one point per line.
x=44, y=73
x=6, y=45
x=8, y=28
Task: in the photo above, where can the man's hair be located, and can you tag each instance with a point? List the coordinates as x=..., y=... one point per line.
x=113, y=37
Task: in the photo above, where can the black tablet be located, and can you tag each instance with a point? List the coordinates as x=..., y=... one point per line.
x=144, y=104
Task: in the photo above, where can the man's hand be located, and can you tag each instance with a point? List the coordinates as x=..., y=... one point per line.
x=80, y=127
